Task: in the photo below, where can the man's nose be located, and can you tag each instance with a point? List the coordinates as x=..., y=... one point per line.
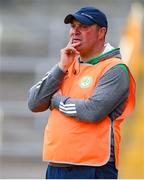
x=76, y=30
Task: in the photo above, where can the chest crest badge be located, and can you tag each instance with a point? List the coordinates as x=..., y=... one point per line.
x=86, y=81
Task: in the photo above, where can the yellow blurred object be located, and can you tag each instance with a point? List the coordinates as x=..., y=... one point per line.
x=130, y=42
x=132, y=147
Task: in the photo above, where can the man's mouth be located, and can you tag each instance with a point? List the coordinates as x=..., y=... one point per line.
x=75, y=40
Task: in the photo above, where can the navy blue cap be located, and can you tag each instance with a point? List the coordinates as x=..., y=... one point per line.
x=88, y=16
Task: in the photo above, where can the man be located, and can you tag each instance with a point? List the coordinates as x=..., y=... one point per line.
x=89, y=92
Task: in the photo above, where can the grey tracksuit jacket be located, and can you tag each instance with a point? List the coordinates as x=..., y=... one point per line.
x=108, y=98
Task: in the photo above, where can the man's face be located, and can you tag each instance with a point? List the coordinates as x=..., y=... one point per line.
x=87, y=36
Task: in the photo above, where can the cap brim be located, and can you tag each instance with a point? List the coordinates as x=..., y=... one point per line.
x=82, y=19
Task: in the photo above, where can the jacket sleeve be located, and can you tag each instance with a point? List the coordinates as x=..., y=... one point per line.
x=39, y=95
x=112, y=91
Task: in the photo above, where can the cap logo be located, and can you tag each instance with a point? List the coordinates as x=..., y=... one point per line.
x=87, y=15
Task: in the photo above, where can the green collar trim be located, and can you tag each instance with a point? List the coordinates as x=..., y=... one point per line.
x=104, y=56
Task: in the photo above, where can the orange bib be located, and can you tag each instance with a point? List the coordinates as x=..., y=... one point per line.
x=70, y=141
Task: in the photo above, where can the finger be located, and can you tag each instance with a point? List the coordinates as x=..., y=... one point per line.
x=71, y=50
x=70, y=42
x=75, y=44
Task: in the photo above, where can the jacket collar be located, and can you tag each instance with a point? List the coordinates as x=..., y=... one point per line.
x=108, y=52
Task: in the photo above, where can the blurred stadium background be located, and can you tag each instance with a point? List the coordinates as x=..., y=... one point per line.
x=31, y=35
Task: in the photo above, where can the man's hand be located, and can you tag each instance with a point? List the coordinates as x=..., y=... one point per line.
x=68, y=54
x=58, y=93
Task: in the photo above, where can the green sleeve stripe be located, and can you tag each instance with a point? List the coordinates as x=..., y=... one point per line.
x=124, y=68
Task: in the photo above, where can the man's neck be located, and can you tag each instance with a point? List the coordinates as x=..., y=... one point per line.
x=86, y=56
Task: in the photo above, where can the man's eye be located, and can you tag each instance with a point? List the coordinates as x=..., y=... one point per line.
x=84, y=26
x=72, y=26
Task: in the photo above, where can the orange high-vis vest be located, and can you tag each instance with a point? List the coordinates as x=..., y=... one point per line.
x=67, y=140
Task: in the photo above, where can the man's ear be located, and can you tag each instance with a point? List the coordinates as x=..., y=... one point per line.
x=102, y=33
